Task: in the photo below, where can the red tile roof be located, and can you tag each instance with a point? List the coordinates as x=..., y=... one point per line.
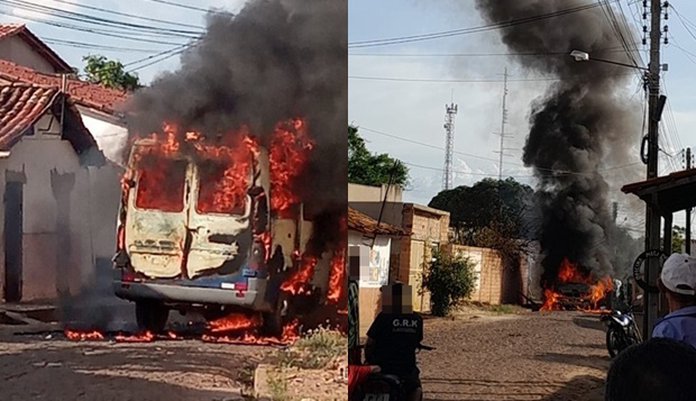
x=21, y=106
x=365, y=224
x=83, y=93
x=8, y=30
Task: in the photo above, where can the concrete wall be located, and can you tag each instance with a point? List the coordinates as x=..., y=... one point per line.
x=18, y=51
x=91, y=214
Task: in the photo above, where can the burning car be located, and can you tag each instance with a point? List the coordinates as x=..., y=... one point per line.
x=576, y=290
x=214, y=228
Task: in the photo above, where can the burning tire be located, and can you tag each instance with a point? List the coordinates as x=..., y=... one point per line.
x=151, y=316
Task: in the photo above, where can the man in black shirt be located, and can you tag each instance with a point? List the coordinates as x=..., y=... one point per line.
x=393, y=338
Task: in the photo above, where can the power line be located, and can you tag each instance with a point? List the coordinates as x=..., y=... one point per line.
x=140, y=17
x=103, y=32
x=541, y=169
x=425, y=144
x=393, y=79
x=173, y=51
x=483, y=80
x=465, y=31
x=440, y=169
x=94, y=20
x=684, y=21
x=171, y=3
x=95, y=46
x=508, y=54
x=166, y=55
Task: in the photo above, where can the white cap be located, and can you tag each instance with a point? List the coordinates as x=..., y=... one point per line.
x=679, y=274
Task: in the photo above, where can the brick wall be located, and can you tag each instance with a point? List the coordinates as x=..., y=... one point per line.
x=490, y=272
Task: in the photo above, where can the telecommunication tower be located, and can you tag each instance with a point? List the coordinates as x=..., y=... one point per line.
x=451, y=112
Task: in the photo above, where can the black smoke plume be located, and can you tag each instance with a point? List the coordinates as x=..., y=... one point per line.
x=579, y=127
x=275, y=60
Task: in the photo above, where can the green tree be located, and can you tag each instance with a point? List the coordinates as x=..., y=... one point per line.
x=110, y=73
x=450, y=281
x=489, y=205
x=678, y=234
x=372, y=169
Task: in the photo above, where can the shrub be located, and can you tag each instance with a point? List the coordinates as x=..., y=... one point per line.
x=450, y=280
x=319, y=349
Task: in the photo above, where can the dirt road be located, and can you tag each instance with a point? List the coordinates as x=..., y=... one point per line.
x=557, y=356
x=34, y=368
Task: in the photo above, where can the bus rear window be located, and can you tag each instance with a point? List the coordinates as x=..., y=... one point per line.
x=223, y=188
x=161, y=184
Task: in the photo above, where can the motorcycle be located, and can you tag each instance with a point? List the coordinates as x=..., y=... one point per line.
x=381, y=387
x=622, y=331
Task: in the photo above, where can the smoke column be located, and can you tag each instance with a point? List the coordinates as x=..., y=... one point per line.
x=584, y=123
x=275, y=60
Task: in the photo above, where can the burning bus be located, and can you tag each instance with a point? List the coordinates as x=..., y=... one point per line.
x=212, y=224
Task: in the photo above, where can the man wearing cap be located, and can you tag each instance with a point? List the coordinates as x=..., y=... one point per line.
x=678, y=282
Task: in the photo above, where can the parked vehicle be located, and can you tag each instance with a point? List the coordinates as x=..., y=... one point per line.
x=381, y=387
x=622, y=331
x=176, y=249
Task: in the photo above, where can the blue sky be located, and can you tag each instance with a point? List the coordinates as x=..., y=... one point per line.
x=416, y=110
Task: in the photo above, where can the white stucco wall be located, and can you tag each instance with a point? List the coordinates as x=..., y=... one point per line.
x=376, y=272
x=92, y=212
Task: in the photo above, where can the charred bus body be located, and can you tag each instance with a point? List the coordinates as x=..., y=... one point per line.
x=181, y=245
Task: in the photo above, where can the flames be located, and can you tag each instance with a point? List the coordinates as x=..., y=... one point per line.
x=289, y=152
x=337, y=279
x=290, y=335
x=225, y=166
x=234, y=322
x=298, y=282
x=145, y=337
x=569, y=272
x=243, y=329
x=75, y=335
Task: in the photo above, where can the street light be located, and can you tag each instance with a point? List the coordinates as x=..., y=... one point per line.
x=656, y=103
x=581, y=56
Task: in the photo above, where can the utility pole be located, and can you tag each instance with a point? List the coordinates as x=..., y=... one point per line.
x=450, y=113
x=687, y=234
x=652, y=217
x=503, y=121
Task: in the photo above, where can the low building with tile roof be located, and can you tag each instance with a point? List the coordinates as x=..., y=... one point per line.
x=60, y=195
x=19, y=45
x=24, y=58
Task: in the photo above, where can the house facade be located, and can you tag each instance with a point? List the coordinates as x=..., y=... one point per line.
x=61, y=194
x=58, y=194
x=370, y=243
x=18, y=45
